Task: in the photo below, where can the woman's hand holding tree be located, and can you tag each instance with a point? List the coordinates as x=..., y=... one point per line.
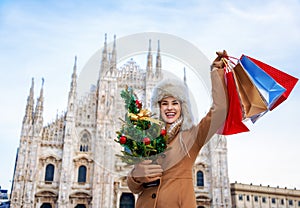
x=146, y=171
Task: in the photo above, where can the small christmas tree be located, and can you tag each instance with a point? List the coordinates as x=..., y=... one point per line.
x=142, y=136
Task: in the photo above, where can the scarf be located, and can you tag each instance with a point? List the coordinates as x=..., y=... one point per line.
x=174, y=129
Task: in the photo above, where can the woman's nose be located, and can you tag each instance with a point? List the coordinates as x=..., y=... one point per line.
x=169, y=106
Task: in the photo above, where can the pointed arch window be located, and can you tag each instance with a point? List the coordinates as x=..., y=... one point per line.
x=49, y=174
x=84, y=142
x=127, y=200
x=200, y=178
x=82, y=174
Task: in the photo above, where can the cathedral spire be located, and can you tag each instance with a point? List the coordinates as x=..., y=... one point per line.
x=184, y=76
x=104, y=61
x=149, y=59
x=72, y=92
x=29, y=106
x=38, y=113
x=113, y=60
x=104, y=52
x=74, y=77
x=158, y=60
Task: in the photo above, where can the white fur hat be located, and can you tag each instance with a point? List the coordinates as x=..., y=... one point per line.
x=175, y=88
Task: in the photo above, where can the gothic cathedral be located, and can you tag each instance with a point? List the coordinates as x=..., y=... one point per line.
x=71, y=162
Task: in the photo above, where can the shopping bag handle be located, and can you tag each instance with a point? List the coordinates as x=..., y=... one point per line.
x=227, y=67
x=229, y=64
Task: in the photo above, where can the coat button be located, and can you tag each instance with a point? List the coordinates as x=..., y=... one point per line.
x=153, y=196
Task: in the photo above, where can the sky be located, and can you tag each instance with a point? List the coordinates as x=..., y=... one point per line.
x=41, y=38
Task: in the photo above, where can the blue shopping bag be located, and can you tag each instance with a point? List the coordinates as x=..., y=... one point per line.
x=285, y=80
x=268, y=87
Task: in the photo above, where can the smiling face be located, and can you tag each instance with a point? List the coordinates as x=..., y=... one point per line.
x=170, y=109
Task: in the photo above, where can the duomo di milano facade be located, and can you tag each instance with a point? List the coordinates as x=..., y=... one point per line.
x=71, y=162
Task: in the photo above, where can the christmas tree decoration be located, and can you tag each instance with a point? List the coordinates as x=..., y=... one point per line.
x=142, y=136
x=147, y=140
x=163, y=132
x=123, y=140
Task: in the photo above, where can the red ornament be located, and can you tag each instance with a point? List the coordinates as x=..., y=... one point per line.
x=163, y=132
x=138, y=104
x=123, y=140
x=146, y=140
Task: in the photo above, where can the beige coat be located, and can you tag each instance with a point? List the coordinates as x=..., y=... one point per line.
x=176, y=187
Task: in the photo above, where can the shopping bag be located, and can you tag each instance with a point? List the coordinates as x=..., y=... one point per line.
x=233, y=123
x=253, y=103
x=268, y=87
x=285, y=80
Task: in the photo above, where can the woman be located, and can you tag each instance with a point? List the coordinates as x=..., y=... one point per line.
x=173, y=170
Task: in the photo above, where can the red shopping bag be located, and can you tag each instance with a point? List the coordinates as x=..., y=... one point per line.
x=285, y=80
x=233, y=123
